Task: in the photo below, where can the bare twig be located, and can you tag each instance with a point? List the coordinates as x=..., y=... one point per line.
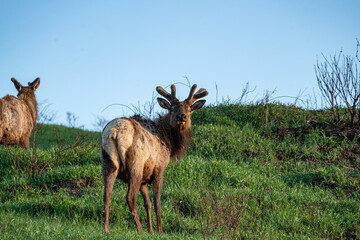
x=244, y=93
x=357, y=50
x=118, y=104
x=339, y=82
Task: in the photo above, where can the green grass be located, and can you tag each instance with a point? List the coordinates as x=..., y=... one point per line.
x=238, y=180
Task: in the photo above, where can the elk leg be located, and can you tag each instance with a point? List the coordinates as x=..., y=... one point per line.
x=134, y=186
x=110, y=173
x=158, y=183
x=26, y=143
x=109, y=184
x=145, y=193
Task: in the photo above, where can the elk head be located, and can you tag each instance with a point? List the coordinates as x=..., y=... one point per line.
x=30, y=89
x=180, y=112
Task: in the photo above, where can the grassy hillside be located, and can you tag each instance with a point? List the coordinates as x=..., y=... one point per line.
x=245, y=176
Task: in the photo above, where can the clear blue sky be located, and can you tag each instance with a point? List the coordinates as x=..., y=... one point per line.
x=90, y=54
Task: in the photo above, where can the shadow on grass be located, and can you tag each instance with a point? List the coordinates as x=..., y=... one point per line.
x=60, y=210
x=310, y=179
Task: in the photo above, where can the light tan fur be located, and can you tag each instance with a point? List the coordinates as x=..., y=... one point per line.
x=119, y=137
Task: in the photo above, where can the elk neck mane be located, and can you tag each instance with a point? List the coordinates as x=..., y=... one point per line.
x=177, y=141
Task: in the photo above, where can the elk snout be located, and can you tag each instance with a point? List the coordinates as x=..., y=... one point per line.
x=181, y=117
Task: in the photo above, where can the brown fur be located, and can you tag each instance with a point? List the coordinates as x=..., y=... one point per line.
x=138, y=150
x=18, y=115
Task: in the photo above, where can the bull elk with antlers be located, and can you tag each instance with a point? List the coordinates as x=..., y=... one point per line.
x=18, y=115
x=138, y=150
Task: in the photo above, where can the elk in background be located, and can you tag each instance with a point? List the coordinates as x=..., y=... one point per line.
x=18, y=115
x=138, y=150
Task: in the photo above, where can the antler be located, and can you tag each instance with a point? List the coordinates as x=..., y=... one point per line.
x=170, y=97
x=199, y=94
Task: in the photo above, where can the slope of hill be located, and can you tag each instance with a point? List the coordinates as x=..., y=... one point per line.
x=243, y=177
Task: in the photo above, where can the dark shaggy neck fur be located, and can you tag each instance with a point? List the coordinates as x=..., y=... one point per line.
x=177, y=141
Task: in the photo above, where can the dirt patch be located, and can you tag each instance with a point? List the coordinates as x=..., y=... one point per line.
x=331, y=130
x=73, y=187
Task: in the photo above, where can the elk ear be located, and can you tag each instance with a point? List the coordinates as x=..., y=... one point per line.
x=164, y=104
x=197, y=105
x=35, y=84
x=18, y=86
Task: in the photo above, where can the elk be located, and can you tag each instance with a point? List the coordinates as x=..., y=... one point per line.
x=18, y=115
x=137, y=151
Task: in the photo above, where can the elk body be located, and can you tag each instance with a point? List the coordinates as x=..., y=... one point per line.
x=18, y=115
x=138, y=150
